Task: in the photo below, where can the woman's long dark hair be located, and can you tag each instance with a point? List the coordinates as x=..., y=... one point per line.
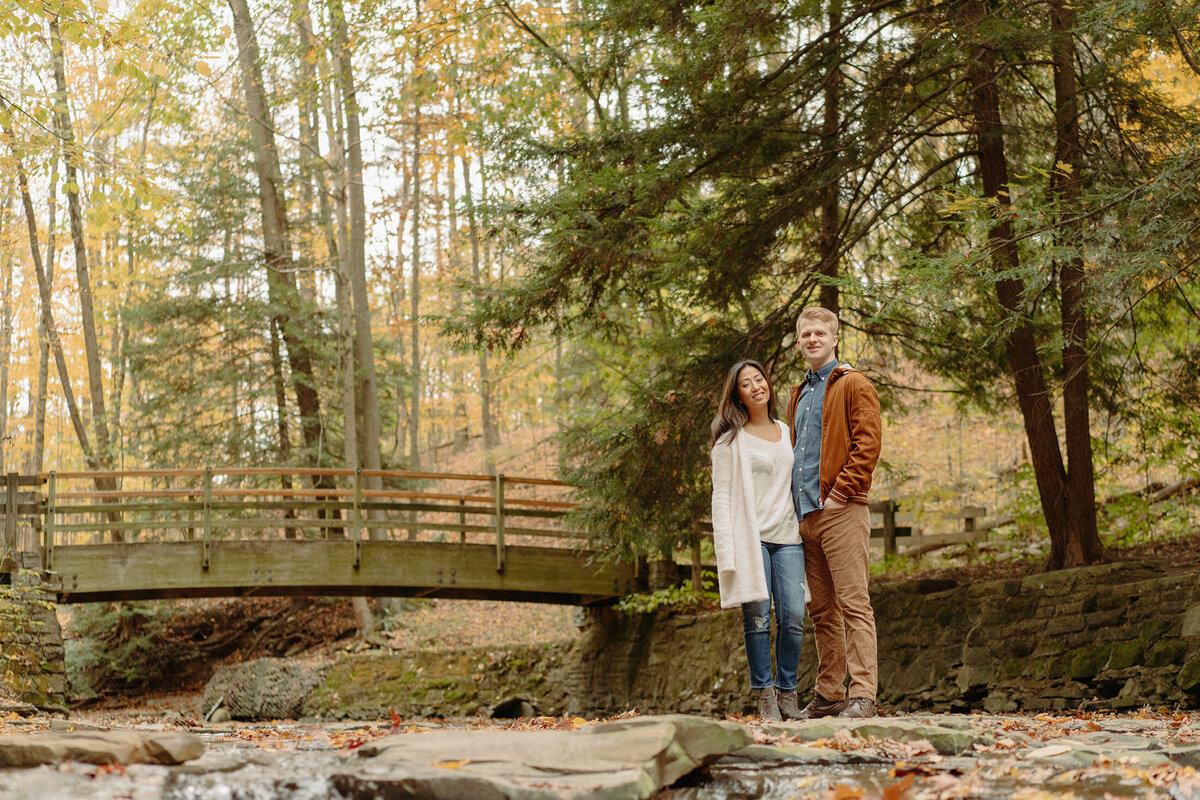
x=732, y=414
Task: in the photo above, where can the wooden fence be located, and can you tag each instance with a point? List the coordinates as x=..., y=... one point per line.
x=210, y=504
x=894, y=534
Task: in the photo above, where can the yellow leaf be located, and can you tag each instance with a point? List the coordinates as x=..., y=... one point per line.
x=452, y=764
x=101, y=6
x=159, y=69
x=202, y=68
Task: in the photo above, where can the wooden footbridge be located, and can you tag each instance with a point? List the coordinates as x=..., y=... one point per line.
x=146, y=534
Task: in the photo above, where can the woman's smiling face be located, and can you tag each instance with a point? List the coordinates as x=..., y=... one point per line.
x=753, y=388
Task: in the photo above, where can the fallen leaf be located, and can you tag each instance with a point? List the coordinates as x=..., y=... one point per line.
x=897, y=790
x=840, y=791
x=1048, y=751
x=452, y=764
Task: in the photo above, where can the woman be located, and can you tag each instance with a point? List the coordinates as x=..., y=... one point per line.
x=756, y=535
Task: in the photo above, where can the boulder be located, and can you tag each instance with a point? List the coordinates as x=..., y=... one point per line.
x=263, y=689
x=948, y=735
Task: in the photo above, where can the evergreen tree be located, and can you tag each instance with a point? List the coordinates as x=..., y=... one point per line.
x=984, y=214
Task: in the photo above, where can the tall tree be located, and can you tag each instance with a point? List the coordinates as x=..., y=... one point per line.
x=75, y=211
x=414, y=400
x=831, y=202
x=750, y=177
x=281, y=281
x=363, y=339
x=1079, y=542
x=47, y=317
x=37, y=459
x=7, y=266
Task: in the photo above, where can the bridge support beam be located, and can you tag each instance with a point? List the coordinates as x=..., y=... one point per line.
x=89, y=573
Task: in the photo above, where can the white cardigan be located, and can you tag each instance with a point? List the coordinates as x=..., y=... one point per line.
x=740, y=576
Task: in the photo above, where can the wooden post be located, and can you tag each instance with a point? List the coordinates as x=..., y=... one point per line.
x=48, y=529
x=500, y=522
x=889, y=528
x=462, y=519
x=969, y=514
x=357, y=517
x=207, y=516
x=8, y=540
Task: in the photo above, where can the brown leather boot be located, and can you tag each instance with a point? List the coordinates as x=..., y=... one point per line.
x=820, y=707
x=860, y=707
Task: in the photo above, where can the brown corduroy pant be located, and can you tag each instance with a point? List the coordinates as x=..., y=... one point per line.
x=835, y=564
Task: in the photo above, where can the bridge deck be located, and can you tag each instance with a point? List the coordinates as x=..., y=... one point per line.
x=89, y=573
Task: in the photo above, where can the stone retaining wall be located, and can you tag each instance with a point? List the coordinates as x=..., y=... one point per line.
x=1114, y=636
x=444, y=683
x=31, y=644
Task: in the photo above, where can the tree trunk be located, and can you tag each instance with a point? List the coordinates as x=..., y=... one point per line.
x=363, y=340
x=281, y=281
x=830, y=204
x=281, y=421
x=487, y=427
x=357, y=398
x=310, y=153
x=91, y=345
x=1082, y=542
x=338, y=244
x=235, y=424
x=7, y=264
x=414, y=413
x=460, y=425
x=37, y=461
x=1033, y=396
x=345, y=307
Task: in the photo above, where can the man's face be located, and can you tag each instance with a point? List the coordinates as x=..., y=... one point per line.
x=816, y=342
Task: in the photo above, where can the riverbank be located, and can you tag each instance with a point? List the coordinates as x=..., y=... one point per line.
x=1116, y=636
x=916, y=757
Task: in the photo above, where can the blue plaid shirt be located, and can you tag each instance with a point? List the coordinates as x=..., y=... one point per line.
x=806, y=470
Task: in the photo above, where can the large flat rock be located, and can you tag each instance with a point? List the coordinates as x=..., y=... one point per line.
x=948, y=735
x=623, y=759
x=99, y=747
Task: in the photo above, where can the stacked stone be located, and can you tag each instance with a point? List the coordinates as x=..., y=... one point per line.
x=31, y=643
x=1114, y=636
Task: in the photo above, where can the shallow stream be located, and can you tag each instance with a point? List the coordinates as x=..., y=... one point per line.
x=237, y=771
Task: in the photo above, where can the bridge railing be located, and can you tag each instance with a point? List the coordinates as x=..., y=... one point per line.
x=219, y=504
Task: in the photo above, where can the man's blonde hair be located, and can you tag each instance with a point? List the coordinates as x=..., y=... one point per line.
x=820, y=315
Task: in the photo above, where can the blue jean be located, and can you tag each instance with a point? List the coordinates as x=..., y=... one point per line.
x=784, y=567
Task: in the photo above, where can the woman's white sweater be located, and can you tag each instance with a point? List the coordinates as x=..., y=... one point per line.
x=735, y=522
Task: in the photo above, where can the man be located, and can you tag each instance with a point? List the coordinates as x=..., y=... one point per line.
x=836, y=433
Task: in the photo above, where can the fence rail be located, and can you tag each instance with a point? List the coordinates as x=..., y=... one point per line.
x=210, y=505
x=199, y=532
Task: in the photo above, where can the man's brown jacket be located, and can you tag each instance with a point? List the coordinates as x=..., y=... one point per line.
x=851, y=434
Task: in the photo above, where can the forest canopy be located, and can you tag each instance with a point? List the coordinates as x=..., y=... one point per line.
x=394, y=233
